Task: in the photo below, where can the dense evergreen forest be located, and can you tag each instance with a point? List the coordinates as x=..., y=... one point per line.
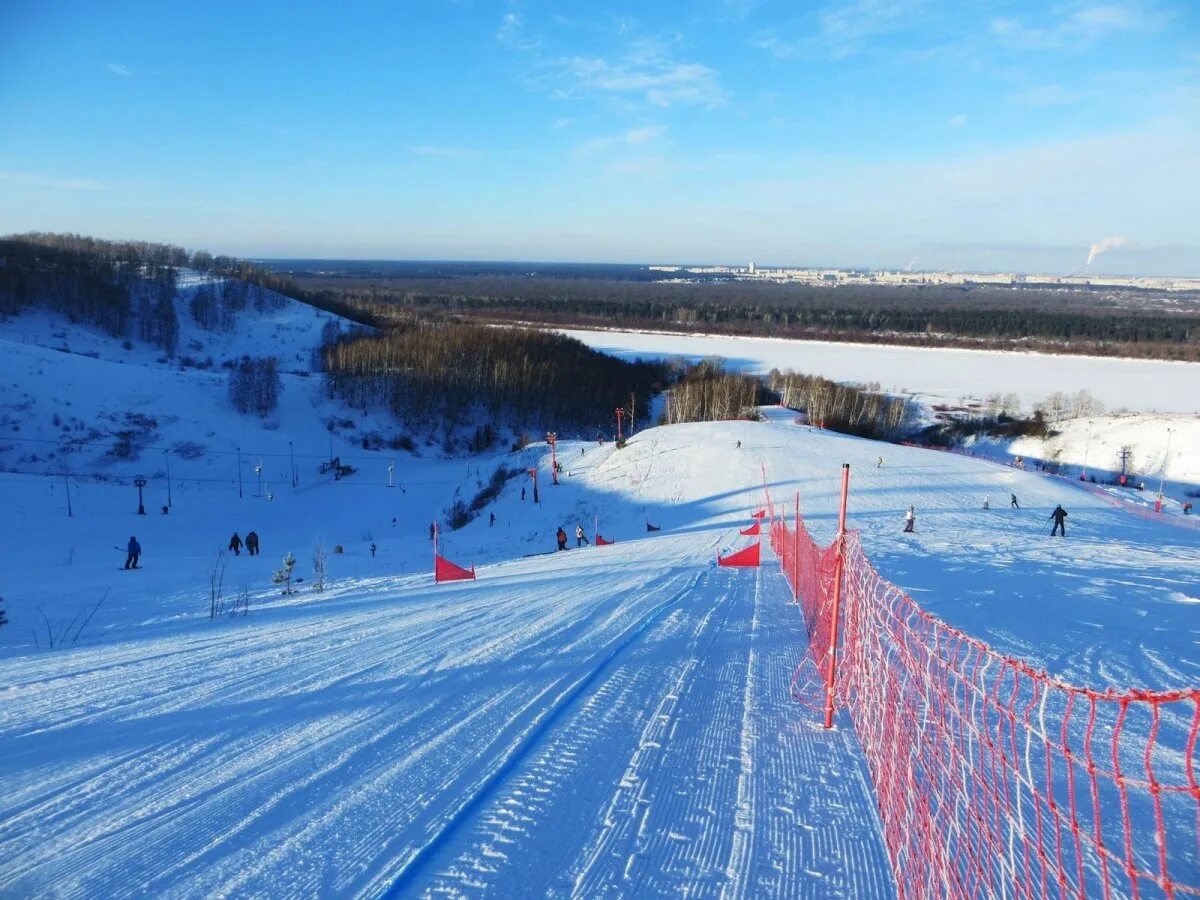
x=1104, y=323
x=431, y=372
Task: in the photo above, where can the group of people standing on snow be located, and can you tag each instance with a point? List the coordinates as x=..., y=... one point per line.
x=251, y=544
x=580, y=537
x=1059, y=516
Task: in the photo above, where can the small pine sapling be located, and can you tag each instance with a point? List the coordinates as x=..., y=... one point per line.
x=283, y=575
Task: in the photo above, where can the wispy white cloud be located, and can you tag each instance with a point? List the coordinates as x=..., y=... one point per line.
x=512, y=32
x=1077, y=24
x=633, y=137
x=957, y=121
x=48, y=181
x=119, y=69
x=841, y=29
x=445, y=152
x=651, y=77
x=560, y=124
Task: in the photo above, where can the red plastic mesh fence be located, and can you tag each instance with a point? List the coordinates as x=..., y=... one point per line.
x=992, y=778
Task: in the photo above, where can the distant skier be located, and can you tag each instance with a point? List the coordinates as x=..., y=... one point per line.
x=235, y=544
x=910, y=520
x=1013, y=503
x=252, y=543
x=580, y=537
x=561, y=537
x=491, y=519
x=739, y=445
x=879, y=463
x=1060, y=521
x=986, y=502
x=372, y=549
x=522, y=493
x=135, y=552
x=432, y=530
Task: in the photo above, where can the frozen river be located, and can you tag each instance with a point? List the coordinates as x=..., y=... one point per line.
x=934, y=374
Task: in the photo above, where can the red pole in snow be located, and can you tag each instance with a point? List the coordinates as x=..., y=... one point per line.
x=839, y=560
x=620, y=411
x=796, y=554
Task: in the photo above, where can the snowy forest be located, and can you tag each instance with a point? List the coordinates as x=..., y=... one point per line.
x=527, y=378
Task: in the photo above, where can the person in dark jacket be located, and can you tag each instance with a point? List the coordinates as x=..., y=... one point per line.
x=1013, y=503
x=1060, y=521
x=135, y=552
x=235, y=544
x=252, y=543
x=561, y=537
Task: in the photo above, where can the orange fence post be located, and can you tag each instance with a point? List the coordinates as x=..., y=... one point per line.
x=839, y=559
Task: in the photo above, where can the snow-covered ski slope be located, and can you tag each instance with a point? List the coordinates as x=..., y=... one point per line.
x=610, y=721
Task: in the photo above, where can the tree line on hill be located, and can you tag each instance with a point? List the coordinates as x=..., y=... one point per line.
x=428, y=372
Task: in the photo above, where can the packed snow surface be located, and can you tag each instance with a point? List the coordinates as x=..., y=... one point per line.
x=936, y=375
x=609, y=720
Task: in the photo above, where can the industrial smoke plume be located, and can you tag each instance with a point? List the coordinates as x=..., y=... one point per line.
x=1104, y=245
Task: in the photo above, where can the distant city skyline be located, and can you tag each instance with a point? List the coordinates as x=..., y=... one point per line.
x=1008, y=136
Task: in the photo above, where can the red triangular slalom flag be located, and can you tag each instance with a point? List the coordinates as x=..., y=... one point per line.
x=753, y=530
x=761, y=514
x=444, y=570
x=601, y=542
x=747, y=558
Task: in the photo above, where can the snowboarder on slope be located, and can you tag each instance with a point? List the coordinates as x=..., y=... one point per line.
x=580, y=537
x=235, y=544
x=561, y=537
x=1059, y=516
x=1013, y=503
x=986, y=502
x=372, y=549
x=432, y=530
x=879, y=464
x=739, y=445
x=135, y=551
x=910, y=520
x=522, y=493
x=252, y=543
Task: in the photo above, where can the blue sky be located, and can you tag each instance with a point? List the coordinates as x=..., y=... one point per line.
x=982, y=135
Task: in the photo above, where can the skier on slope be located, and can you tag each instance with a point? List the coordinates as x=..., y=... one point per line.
x=986, y=502
x=1060, y=521
x=135, y=552
x=561, y=537
x=580, y=537
x=879, y=464
x=1013, y=503
x=252, y=543
x=235, y=544
x=910, y=520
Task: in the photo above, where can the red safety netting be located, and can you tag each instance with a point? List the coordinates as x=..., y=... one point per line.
x=992, y=778
x=444, y=570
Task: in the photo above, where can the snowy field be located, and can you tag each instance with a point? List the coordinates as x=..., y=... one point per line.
x=934, y=375
x=610, y=721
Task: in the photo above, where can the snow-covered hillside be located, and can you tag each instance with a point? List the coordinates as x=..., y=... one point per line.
x=607, y=720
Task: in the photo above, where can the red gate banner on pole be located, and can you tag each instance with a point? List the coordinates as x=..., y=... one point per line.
x=747, y=558
x=444, y=570
x=760, y=514
x=601, y=542
x=753, y=530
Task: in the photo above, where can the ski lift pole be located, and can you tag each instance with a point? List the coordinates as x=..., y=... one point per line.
x=838, y=564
